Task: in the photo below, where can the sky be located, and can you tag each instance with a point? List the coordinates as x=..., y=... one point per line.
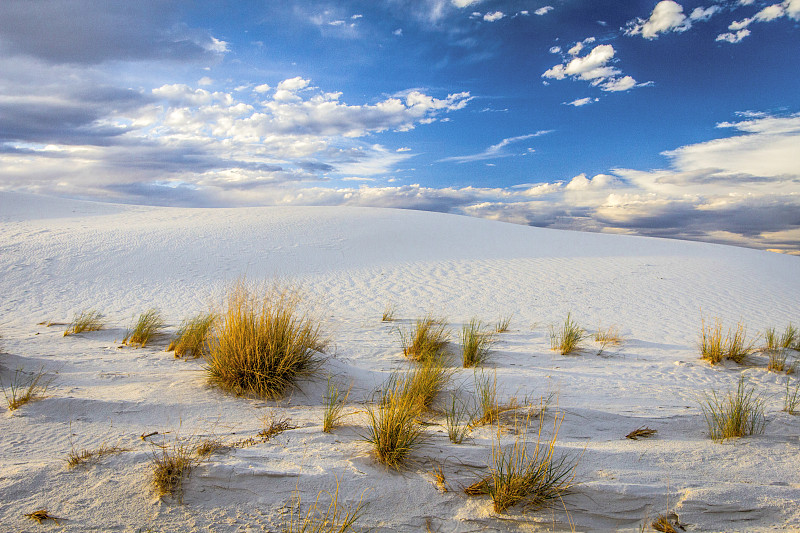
x=666, y=118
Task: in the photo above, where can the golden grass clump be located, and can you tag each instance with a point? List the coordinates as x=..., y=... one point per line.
x=388, y=313
x=171, y=465
x=779, y=361
x=567, y=339
x=147, y=326
x=393, y=429
x=788, y=339
x=25, y=388
x=531, y=474
x=335, y=518
x=739, y=414
x=41, y=515
x=503, y=324
x=88, y=320
x=261, y=343
x=333, y=403
x=458, y=416
x=476, y=344
x=791, y=399
x=714, y=347
x=192, y=336
x=641, y=433
x=428, y=339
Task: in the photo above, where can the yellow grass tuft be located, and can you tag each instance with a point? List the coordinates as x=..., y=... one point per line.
x=261, y=343
x=147, y=326
x=192, y=336
x=88, y=320
x=171, y=466
x=25, y=388
x=335, y=518
x=503, y=324
x=388, y=313
x=641, y=433
x=714, y=347
x=428, y=339
x=531, y=474
x=41, y=515
x=85, y=456
x=333, y=405
x=567, y=339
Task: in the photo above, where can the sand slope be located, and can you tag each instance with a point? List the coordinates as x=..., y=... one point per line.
x=58, y=257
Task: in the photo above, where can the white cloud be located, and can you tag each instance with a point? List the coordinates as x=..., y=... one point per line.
x=555, y=50
x=464, y=3
x=770, y=13
x=582, y=101
x=703, y=14
x=739, y=28
x=595, y=67
x=262, y=88
x=667, y=16
x=544, y=10
x=205, y=80
x=293, y=84
x=493, y=152
x=575, y=50
x=624, y=83
x=493, y=17
x=733, y=37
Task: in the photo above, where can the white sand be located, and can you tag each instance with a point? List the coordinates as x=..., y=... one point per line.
x=58, y=257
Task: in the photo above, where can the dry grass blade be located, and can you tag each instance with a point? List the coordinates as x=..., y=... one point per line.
x=791, y=399
x=208, y=447
x=393, y=429
x=458, y=416
x=739, y=414
x=503, y=324
x=41, y=515
x=567, y=339
x=171, y=465
x=667, y=523
x=426, y=340
x=262, y=344
x=439, y=479
x=531, y=474
x=89, y=320
x=334, y=518
x=476, y=344
x=779, y=361
x=25, y=388
x=788, y=339
x=641, y=433
x=76, y=458
x=333, y=405
x=147, y=326
x=388, y=313
x=192, y=336
x=489, y=410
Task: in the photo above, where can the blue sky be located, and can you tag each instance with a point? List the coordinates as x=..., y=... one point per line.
x=664, y=118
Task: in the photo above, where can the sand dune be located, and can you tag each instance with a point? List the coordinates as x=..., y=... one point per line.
x=58, y=257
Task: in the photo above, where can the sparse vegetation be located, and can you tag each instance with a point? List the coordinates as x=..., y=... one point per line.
x=388, y=313
x=714, y=348
x=425, y=381
x=737, y=415
x=88, y=320
x=172, y=464
x=85, y=456
x=641, y=433
x=262, y=344
x=503, y=324
x=779, y=361
x=393, y=429
x=208, y=447
x=791, y=399
x=426, y=340
x=271, y=427
x=192, y=336
x=788, y=339
x=333, y=404
x=528, y=473
x=609, y=336
x=25, y=388
x=476, y=343
x=147, y=326
x=333, y=519
x=567, y=339
x=439, y=479
x=41, y=515
x=667, y=523
x=458, y=415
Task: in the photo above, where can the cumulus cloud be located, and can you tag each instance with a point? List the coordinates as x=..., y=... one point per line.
x=494, y=16
x=739, y=28
x=544, y=10
x=464, y=3
x=596, y=67
x=667, y=16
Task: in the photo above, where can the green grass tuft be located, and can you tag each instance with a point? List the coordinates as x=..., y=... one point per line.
x=192, y=336
x=714, y=347
x=503, y=324
x=791, y=399
x=333, y=404
x=426, y=340
x=25, y=388
x=334, y=518
x=147, y=326
x=567, y=339
x=476, y=344
x=738, y=414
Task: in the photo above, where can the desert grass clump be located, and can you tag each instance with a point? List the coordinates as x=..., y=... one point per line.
x=262, y=344
x=779, y=361
x=567, y=339
x=171, y=466
x=425, y=381
x=335, y=518
x=333, y=403
x=25, y=388
x=393, y=429
x=41, y=515
x=503, y=324
x=192, y=336
x=147, y=326
x=788, y=339
x=388, y=313
x=476, y=343
x=458, y=414
x=738, y=414
x=641, y=433
x=76, y=458
x=791, y=399
x=426, y=340
x=714, y=347
x=88, y=320
x=531, y=474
